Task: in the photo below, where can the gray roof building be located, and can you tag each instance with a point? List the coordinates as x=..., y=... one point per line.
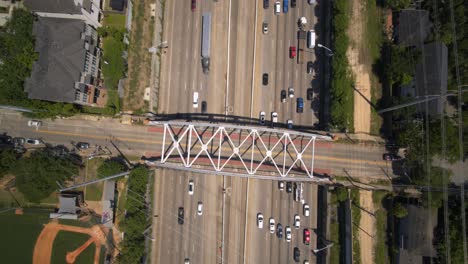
x=68, y=60
x=413, y=27
x=53, y=6
x=431, y=75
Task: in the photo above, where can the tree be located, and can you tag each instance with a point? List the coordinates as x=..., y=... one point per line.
x=398, y=4
x=110, y=167
x=399, y=211
x=38, y=174
x=341, y=194
x=7, y=161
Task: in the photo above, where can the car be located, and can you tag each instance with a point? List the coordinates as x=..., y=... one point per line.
x=274, y=118
x=300, y=105
x=277, y=7
x=279, y=231
x=200, y=208
x=281, y=185
x=291, y=92
x=190, y=187
x=262, y=118
x=306, y=210
x=297, y=221
x=272, y=225
x=265, y=28
x=312, y=2
x=283, y=96
x=194, y=5
x=187, y=261
x=306, y=236
x=288, y=234
x=288, y=187
x=391, y=157
x=180, y=216
x=292, y=52
x=289, y=124
x=33, y=141
x=265, y=79
x=203, y=107
x=285, y=6
x=310, y=94
x=19, y=141
x=297, y=254
x=306, y=261
x=266, y=4
x=34, y=123
x=260, y=220
x=82, y=145
x=310, y=67
x=311, y=39
x=195, y=99
x=293, y=3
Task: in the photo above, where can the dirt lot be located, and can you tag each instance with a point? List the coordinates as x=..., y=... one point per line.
x=361, y=68
x=366, y=234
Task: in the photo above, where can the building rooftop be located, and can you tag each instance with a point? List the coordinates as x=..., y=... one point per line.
x=53, y=6
x=413, y=27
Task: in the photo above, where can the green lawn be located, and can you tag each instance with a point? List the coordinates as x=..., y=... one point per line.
x=113, y=65
x=356, y=214
x=114, y=20
x=19, y=234
x=94, y=191
x=381, y=248
x=69, y=241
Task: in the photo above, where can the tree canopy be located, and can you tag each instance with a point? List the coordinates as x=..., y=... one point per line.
x=110, y=167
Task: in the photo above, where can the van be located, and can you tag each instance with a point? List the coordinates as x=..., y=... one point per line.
x=277, y=8
x=311, y=39
x=195, y=99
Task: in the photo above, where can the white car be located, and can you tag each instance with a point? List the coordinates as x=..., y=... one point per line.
x=288, y=234
x=281, y=185
x=265, y=27
x=312, y=2
x=277, y=8
x=306, y=261
x=33, y=141
x=297, y=221
x=187, y=261
x=306, y=210
x=272, y=225
x=195, y=99
x=260, y=220
x=262, y=118
x=291, y=92
x=190, y=187
x=200, y=208
x=34, y=123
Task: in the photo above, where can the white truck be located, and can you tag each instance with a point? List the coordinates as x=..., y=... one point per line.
x=206, y=39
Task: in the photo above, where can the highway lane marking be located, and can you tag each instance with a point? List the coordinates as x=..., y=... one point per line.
x=305, y=155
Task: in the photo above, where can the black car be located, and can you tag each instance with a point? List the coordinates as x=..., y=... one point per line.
x=293, y=3
x=289, y=187
x=297, y=254
x=265, y=79
x=82, y=145
x=310, y=67
x=391, y=157
x=310, y=94
x=279, y=231
x=283, y=96
x=266, y=4
x=180, y=216
x=203, y=107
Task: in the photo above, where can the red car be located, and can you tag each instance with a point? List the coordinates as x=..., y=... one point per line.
x=292, y=52
x=306, y=236
x=194, y=5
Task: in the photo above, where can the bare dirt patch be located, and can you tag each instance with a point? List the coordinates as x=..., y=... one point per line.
x=361, y=71
x=366, y=232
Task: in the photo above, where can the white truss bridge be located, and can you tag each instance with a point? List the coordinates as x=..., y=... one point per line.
x=245, y=151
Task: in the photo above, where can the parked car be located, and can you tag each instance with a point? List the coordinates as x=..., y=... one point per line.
x=288, y=234
x=190, y=187
x=34, y=123
x=306, y=210
x=180, y=216
x=33, y=141
x=265, y=28
x=265, y=79
x=203, y=107
x=82, y=145
x=260, y=220
x=391, y=157
x=289, y=124
x=200, y=208
x=310, y=67
x=18, y=141
x=306, y=236
x=272, y=225
x=283, y=96
x=262, y=118
x=297, y=221
x=300, y=105
x=310, y=94
x=292, y=52
x=297, y=254
x=194, y=5
x=288, y=187
x=281, y=185
x=279, y=231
